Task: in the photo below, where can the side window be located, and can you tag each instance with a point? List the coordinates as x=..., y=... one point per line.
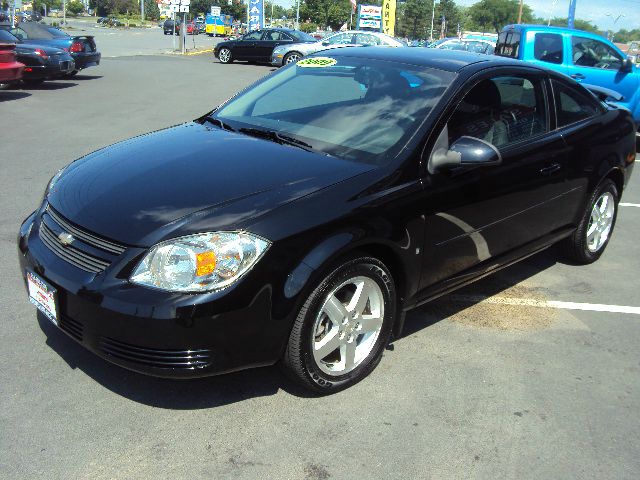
x=508, y=44
x=21, y=34
x=573, y=105
x=284, y=36
x=501, y=111
x=547, y=47
x=453, y=45
x=367, y=39
x=253, y=36
x=593, y=53
x=340, y=39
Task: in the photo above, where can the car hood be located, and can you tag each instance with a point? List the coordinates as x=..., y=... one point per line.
x=188, y=179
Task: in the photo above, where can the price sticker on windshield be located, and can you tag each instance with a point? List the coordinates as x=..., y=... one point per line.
x=317, y=62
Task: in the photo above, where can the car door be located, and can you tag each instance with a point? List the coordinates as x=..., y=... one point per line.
x=270, y=40
x=594, y=62
x=245, y=48
x=476, y=214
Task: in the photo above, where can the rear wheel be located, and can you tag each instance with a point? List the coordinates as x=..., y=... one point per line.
x=343, y=327
x=594, y=231
x=291, y=57
x=224, y=55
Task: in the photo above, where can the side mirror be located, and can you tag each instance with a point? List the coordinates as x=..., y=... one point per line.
x=627, y=65
x=466, y=152
x=325, y=44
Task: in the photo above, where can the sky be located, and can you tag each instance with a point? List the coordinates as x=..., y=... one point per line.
x=594, y=10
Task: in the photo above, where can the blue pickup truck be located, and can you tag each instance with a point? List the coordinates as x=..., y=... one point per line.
x=586, y=57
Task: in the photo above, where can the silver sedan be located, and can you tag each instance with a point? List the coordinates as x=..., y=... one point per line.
x=285, y=54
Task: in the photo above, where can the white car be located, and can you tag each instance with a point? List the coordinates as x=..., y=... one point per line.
x=285, y=54
x=475, y=45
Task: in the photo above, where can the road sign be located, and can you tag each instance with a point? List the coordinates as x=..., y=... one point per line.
x=184, y=8
x=215, y=11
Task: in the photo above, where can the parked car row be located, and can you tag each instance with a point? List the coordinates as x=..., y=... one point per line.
x=171, y=27
x=10, y=69
x=47, y=52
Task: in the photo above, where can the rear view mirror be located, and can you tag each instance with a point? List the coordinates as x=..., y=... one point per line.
x=627, y=65
x=465, y=152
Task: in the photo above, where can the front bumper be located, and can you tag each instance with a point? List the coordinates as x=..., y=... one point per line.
x=277, y=59
x=150, y=331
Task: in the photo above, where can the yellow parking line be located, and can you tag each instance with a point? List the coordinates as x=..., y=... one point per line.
x=200, y=52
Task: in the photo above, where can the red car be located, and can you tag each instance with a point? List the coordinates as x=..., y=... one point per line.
x=192, y=28
x=10, y=70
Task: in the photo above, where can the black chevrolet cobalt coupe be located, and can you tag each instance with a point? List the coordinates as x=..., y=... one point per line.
x=299, y=221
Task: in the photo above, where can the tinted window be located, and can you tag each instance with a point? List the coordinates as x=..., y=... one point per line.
x=501, y=111
x=257, y=35
x=508, y=44
x=593, y=53
x=275, y=35
x=353, y=108
x=303, y=37
x=7, y=37
x=477, y=47
x=547, y=47
x=453, y=45
x=572, y=105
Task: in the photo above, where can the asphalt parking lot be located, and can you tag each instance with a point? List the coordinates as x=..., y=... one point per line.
x=496, y=381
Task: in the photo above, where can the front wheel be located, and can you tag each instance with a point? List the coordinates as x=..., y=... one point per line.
x=343, y=327
x=292, y=57
x=224, y=55
x=70, y=74
x=594, y=231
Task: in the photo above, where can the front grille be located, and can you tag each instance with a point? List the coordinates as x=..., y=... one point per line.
x=53, y=224
x=151, y=357
x=86, y=237
x=70, y=326
x=71, y=254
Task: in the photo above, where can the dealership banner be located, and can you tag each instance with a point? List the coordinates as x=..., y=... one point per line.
x=370, y=16
x=389, y=17
x=256, y=14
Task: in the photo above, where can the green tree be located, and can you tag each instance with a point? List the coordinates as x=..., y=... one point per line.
x=414, y=19
x=151, y=10
x=74, y=7
x=579, y=24
x=451, y=13
x=332, y=13
x=495, y=14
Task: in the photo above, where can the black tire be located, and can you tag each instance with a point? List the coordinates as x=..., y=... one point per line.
x=299, y=362
x=287, y=57
x=576, y=247
x=70, y=74
x=4, y=86
x=32, y=82
x=223, y=56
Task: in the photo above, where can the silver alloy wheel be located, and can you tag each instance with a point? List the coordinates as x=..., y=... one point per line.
x=292, y=58
x=600, y=222
x=347, y=326
x=225, y=55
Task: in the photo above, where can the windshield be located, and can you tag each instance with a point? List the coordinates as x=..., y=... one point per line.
x=354, y=108
x=7, y=37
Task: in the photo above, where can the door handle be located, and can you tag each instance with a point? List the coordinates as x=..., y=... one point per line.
x=554, y=167
x=578, y=76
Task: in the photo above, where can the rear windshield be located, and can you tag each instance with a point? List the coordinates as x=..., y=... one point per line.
x=302, y=37
x=508, y=44
x=353, y=108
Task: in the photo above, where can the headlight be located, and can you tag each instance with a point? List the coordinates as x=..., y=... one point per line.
x=199, y=263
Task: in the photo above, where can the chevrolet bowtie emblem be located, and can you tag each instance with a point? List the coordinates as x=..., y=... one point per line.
x=66, y=239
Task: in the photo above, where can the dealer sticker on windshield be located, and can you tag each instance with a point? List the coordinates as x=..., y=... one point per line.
x=317, y=62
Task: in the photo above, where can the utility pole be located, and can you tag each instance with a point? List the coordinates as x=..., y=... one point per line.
x=433, y=16
x=64, y=12
x=298, y=15
x=141, y=11
x=520, y=12
x=572, y=14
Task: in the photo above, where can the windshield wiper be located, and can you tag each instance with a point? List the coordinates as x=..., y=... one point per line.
x=220, y=123
x=277, y=137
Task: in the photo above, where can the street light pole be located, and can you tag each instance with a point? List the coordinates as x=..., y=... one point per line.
x=614, y=23
x=141, y=11
x=520, y=12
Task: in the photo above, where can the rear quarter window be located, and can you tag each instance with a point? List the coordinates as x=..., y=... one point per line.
x=572, y=105
x=547, y=47
x=508, y=44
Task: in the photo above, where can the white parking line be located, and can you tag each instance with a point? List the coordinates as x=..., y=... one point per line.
x=623, y=204
x=530, y=302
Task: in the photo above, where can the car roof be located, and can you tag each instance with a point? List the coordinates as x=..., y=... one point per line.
x=553, y=29
x=448, y=60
